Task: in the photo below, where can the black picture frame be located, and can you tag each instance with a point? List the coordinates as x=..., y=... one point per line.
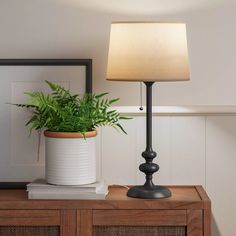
x=47, y=62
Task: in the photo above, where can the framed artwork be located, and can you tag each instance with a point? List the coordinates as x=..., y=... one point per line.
x=19, y=163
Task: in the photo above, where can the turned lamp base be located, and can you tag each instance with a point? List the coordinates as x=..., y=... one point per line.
x=154, y=192
x=149, y=190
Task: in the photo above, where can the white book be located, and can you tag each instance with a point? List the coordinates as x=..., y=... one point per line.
x=99, y=195
x=41, y=186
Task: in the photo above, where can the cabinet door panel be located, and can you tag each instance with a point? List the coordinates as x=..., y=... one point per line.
x=29, y=217
x=38, y=222
x=139, y=217
x=139, y=231
x=29, y=230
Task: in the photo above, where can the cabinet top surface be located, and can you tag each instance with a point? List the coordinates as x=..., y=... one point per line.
x=183, y=197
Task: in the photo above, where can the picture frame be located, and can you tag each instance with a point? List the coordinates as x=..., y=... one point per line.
x=32, y=67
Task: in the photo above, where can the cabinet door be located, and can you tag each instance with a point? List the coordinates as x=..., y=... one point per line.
x=37, y=222
x=139, y=222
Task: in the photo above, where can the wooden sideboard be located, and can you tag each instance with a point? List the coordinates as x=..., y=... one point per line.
x=186, y=213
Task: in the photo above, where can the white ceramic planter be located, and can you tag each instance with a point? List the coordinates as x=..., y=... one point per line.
x=70, y=158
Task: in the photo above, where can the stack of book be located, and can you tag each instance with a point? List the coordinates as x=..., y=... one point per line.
x=39, y=189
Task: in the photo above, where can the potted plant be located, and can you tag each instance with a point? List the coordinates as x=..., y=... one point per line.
x=69, y=123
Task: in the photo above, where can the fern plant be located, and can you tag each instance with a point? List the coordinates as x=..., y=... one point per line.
x=60, y=111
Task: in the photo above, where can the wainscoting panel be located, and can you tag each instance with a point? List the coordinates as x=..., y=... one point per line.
x=193, y=146
x=221, y=172
x=187, y=150
x=119, y=154
x=179, y=143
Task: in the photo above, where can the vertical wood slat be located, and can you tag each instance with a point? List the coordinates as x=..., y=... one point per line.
x=86, y=223
x=207, y=221
x=78, y=222
x=194, y=223
x=207, y=210
x=68, y=223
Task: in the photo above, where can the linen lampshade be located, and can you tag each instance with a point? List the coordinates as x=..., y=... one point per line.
x=148, y=51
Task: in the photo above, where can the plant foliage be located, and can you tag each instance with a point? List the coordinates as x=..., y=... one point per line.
x=60, y=111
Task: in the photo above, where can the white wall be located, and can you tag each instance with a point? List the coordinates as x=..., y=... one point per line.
x=76, y=28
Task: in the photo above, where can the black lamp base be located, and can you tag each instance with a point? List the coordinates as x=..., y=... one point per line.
x=149, y=192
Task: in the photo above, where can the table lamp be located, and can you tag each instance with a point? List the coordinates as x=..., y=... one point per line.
x=148, y=52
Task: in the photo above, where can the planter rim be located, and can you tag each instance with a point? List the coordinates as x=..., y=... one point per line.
x=52, y=134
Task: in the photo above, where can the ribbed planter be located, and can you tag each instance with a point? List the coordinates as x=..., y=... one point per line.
x=70, y=158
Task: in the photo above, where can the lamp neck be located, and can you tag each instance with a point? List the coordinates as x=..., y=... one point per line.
x=149, y=115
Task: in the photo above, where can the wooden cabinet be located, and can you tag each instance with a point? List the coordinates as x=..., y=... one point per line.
x=186, y=213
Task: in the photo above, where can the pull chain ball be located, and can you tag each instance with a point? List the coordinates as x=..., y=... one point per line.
x=141, y=97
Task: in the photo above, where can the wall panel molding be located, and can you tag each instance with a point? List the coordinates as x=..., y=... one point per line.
x=179, y=110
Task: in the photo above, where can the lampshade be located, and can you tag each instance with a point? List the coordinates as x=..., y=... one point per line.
x=148, y=51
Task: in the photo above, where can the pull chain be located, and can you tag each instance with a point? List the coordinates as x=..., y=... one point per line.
x=141, y=97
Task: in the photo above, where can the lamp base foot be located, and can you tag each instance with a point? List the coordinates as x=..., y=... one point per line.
x=150, y=192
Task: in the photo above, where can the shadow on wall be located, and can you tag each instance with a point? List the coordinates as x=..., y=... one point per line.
x=214, y=227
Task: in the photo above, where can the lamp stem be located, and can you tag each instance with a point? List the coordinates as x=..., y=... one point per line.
x=149, y=114
x=149, y=167
x=149, y=189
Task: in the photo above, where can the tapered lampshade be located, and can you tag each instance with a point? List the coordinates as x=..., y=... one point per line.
x=148, y=51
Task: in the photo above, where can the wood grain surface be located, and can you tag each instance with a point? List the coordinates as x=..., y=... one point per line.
x=189, y=207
